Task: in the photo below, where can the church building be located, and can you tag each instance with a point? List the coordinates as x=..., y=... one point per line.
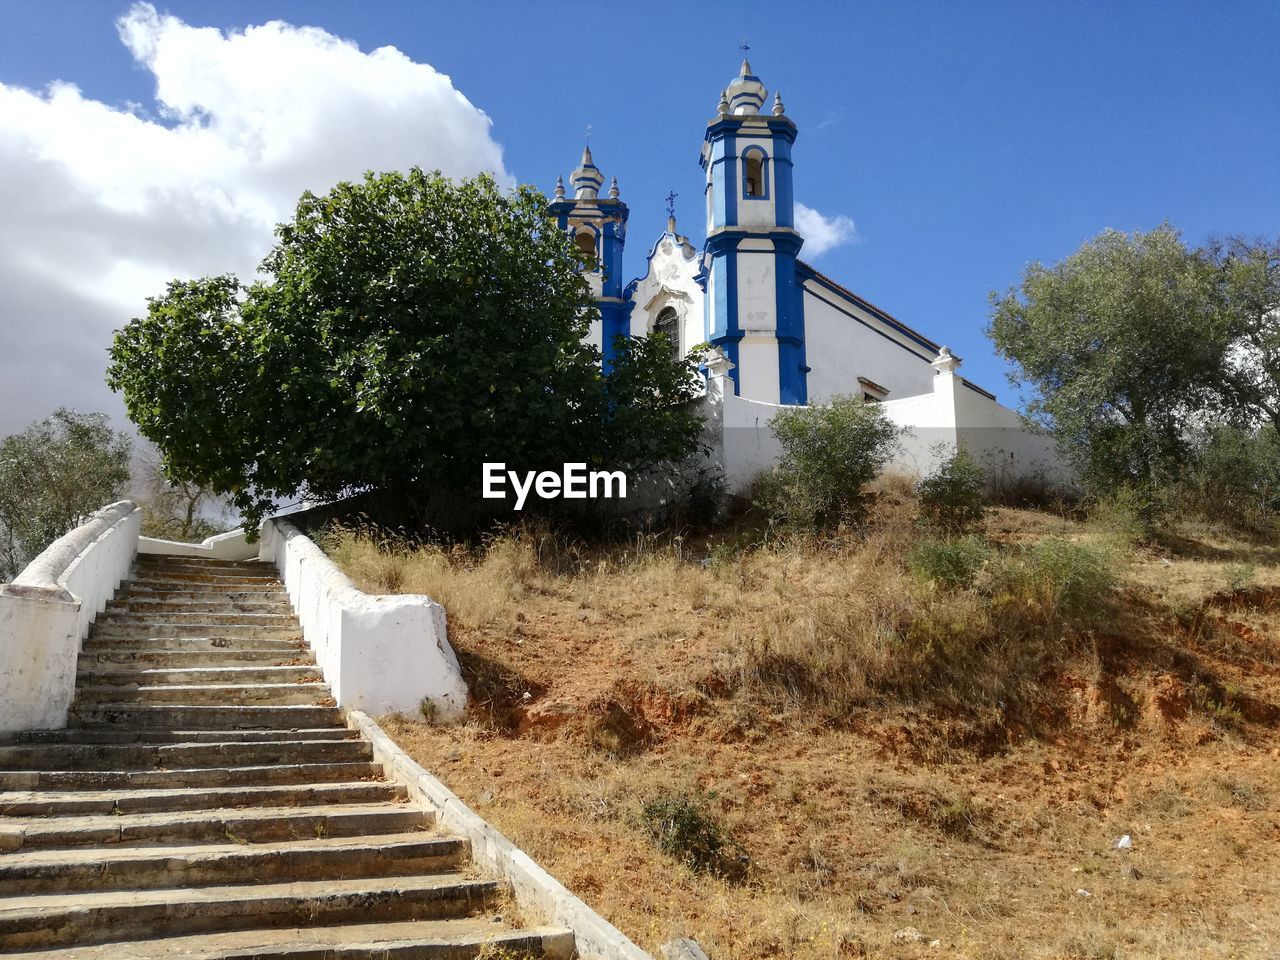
x=783, y=333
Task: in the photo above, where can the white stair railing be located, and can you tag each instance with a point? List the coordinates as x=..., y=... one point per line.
x=45, y=614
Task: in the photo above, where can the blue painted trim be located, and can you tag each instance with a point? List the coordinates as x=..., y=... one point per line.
x=747, y=154
x=784, y=205
x=722, y=314
x=611, y=280
x=775, y=126
x=793, y=383
x=728, y=171
x=615, y=321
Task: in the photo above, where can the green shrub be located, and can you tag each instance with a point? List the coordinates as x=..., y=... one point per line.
x=1235, y=478
x=952, y=563
x=684, y=827
x=952, y=498
x=1128, y=513
x=829, y=455
x=1072, y=580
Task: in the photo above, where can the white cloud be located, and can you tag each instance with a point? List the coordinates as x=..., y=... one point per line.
x=822, y=233
x=102, y=204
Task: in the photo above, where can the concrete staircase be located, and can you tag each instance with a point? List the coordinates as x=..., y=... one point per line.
x=208, y=801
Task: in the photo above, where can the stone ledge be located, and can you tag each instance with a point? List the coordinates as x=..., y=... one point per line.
x=533, y=887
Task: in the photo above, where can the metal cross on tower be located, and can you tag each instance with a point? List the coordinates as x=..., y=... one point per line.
x=744, y=47
x=671, y=203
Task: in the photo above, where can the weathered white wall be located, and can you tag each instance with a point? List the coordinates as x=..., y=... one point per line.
x=669, y=282
x=46, y=613
x=843, y=342
x=379, y=654
x=231, y=545
x=933, y=424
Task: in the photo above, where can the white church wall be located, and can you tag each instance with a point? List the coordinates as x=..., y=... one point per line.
x=1001, y=440
x=839, y=349
x=932, y=425
x=669, y=281
x=758, y=368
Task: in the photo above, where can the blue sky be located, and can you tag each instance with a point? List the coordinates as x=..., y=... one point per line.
x=963, y=139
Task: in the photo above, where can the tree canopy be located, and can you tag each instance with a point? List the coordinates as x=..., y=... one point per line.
x=408, y=329
x=1125, y=347
x=52, y=475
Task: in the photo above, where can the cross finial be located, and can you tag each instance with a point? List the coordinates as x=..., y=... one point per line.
x=671, y=203
x=744, y=47
x=587, y=135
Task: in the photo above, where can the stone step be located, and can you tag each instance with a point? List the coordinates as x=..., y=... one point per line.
x=179, y=616
x=152, y=676
x=467, y=939
x=248, y=825
x=216, y=605
x=185, y=756
x=151, y=562
x=67, y=803
x=140, y=658
x=206, y=716
x=205, y=577
x=290, y=861
x=157, y=735
x=129, y=593
x=287, y=647
x=50, y=920
x=191, y=694
x=277, y=774
x=115, y=630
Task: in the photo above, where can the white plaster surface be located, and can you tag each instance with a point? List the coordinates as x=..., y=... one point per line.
x=380, y=654
x=840, y=348
x=934, y=425
x=46, y=612
x=669, y=281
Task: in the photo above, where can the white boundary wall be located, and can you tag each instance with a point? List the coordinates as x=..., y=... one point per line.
x=379, y=654
x=934, y=425
x=225, y=546
x=46, y=612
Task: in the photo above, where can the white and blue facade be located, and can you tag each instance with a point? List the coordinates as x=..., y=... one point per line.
x=784, y=334
x=599, y=227
x=791, y=335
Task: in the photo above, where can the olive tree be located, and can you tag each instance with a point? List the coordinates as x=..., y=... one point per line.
x=52, y=475
x=409, y=329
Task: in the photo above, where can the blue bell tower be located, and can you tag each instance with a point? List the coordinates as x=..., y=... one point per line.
x=754, y=302
x=599, y=229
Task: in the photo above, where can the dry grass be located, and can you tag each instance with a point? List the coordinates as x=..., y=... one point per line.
x=887, y=753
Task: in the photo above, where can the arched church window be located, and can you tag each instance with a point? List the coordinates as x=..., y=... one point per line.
x=668, y=322
x=586, y=242
x=755, y=176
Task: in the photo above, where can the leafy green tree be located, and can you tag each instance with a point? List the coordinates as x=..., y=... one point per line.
x=829, y=455
x=1250, y=280
x=52, y=475
x=1124, y=348
x=411, y=329
x=1234, y=476
x=177, y=510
